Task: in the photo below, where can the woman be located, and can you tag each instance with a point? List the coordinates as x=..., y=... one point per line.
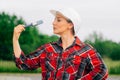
x=66, y=59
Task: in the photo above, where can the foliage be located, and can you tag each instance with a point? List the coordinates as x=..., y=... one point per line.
x=7, y=24
x=106, y=48
x=29, y=40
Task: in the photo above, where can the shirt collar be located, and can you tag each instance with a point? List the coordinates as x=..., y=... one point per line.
x=77, y=41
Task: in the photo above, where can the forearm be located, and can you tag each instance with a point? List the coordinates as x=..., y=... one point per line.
x=99, y=70
x=95, y=68
x=98, y=73
x=31, y=61
x=16, y=48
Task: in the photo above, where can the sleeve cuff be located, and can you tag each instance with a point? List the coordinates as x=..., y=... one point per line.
x=19, y=60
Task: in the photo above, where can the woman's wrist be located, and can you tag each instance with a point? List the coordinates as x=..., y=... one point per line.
x=15, y=38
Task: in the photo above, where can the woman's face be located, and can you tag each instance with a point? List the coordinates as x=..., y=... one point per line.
x=60, y=25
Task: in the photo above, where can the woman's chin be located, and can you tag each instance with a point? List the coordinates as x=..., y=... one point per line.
x=56, y=33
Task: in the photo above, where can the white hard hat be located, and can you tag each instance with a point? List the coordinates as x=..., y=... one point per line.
x=70, y=14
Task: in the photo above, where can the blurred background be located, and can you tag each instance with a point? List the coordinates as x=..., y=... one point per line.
x=100, y=27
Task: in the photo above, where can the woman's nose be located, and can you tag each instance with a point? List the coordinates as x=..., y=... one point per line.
x=54, y=22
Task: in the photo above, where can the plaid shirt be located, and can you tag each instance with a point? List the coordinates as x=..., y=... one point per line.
x=79, y=61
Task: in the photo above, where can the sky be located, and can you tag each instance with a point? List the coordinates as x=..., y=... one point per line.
x=101, y=16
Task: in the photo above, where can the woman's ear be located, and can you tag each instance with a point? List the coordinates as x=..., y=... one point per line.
x=71, y=25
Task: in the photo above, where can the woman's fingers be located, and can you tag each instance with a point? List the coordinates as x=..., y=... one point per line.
x=19, y=28
x=17, y=31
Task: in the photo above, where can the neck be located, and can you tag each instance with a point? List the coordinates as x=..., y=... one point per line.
x=67, y=40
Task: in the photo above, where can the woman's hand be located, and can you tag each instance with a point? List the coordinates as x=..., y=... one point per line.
x=17, y=31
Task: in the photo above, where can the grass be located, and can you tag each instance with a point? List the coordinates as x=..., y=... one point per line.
x=113, y=66
x=9, y=67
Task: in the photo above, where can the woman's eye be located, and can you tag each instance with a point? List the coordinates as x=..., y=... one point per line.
x=58, y=20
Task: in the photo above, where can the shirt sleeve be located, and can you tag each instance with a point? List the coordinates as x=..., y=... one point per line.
x=31, y=61
x=98, y=69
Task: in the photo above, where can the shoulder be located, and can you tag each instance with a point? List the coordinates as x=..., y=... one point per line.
x=44, y=46
x=48, y=47
x=88, y=46
x=91, y=49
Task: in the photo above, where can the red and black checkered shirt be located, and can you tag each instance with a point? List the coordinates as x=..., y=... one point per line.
x=78, y=61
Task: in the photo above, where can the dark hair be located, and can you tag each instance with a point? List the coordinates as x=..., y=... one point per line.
x=69, y=21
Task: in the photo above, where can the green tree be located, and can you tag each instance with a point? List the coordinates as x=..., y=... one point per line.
x=97, y=41
x=107, y=48
x=28, y=39
x=113, y=50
